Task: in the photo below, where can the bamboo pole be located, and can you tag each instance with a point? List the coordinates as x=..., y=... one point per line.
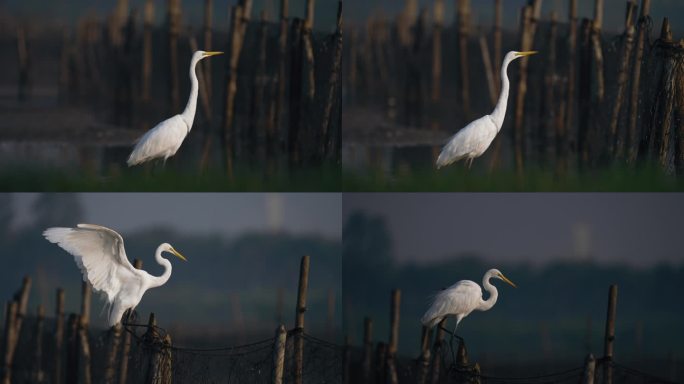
x=208, y=34
x=279, y=355
x=583, y=131
x=424, y=359
x=367, y=360
x=488, y=69
x=333, y=83
x=59, y=337
x=463, y=16
x=598, y=51
x=174, y=21
x=589, y=370
x=9, y=341
x=282, y=66
x=86, y=294
x=633, y=136
x=258, y=91
x=519, y=129
x=668, y=91
x=680, y=117
x=295, y=97
x=572, y=76
x=437, y=354
x=299, y=319
x=114, y=340
x=72, y=350
x=616, y=142
x=610, y=335
x=394, y=337
x=308, y=47
x=148, y=20
x=38, y=376
x=85, y=355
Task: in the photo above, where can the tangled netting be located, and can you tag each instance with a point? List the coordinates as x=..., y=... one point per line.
x=416, y=371
x=152, y=360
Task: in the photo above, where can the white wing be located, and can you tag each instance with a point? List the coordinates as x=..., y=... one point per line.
x=471, y=141
x=99, y=253
x=161, y=141
x=461, y=298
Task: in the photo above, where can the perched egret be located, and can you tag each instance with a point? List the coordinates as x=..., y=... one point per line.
x=473, y=140
x=165, y=138
x=462, y=298
x=99, y=253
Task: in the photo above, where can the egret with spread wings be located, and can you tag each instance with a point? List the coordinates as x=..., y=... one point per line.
x=165, y=138
x=99, y=253
x=473, y=140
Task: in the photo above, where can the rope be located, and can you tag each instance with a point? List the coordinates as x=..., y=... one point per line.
x=642, y=374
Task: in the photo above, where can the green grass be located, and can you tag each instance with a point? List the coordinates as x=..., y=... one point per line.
x=455, y=178
x=324, y=178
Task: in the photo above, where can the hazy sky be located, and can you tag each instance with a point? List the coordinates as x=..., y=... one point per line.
x=229, y=214
x=638, y=229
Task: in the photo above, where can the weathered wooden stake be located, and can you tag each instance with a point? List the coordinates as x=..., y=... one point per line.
x=72, y=350
x=463, y=16
x=114, y=340
x=174, y=20
x=610, y=335
x=394, y=337
x=299, y=318
x=589, y=370
x=282, y=65
x=279, y=354
x=633, y=135
x=493, y=95
x=85, y=355
x=598, y=51
x=21, y=298
x=86, y=294
x=9, y=342
x=333, y=83
x=59, y=337
x=616, y=141
x=38, y=376
x=424, y=359
x=437, y=354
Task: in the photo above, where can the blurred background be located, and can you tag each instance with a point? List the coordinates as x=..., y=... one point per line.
x=562, y=250
x=243, y=254
x=82, y=80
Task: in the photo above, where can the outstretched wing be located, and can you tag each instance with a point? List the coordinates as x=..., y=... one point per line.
x=460, y=298
x=99, y=253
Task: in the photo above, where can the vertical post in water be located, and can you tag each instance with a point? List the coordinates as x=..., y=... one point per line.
x=632, y=135
x=615, y=140
x=38, y=374
x=282, y=65
x=394, y=337
x=463, y=31
x=299, y=319
x=598, y=51
x=424, y=360
x=333, y=83
x=610, y=335
x=437, y=354
x=72, y=350
x=59, y=337
x=367, y=350
x=589, y=370
x=22, y=299
x=114, y=339
x=279, y=355
x=174, y=15
x=486, y=60
x=572, y=75
x=148, y=20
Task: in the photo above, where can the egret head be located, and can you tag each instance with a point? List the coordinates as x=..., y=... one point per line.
x=166, y=247
x=199, y=55
x=495, y=273
x=512, y=55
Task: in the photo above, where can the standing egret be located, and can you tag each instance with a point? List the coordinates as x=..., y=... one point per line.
x=473, y=140
x=99, y=253
x=462, y=298
x=165, y=138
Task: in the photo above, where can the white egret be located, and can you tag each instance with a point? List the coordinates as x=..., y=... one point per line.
x=165, y=138
x=99, y=253
x=473, y=140
x=462, y=298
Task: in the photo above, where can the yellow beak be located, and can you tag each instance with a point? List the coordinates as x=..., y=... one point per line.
x=504, y=278
x=526, y=53
x=212, y=53
x=178, y=255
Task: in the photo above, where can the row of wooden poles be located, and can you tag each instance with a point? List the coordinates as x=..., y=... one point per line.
x=82, y=74
x=565, y=110
x=77, y=344
x=380, y=366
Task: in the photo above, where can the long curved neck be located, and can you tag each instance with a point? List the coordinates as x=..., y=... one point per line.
x=158, y=281
x=486, y=305
x=188, y=114
x=500, y=109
